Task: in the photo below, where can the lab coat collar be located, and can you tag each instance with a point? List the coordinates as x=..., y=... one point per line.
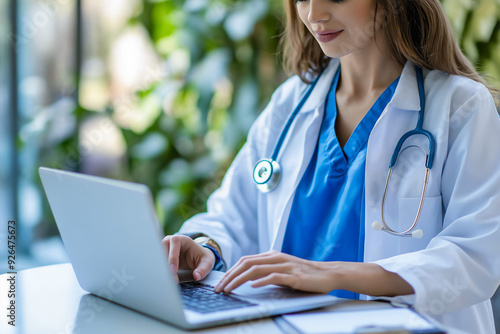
x=405, y=97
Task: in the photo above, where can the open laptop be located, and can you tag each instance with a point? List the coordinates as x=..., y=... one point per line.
x=113, y=239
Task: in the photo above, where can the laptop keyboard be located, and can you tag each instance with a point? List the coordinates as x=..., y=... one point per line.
x=201, y=298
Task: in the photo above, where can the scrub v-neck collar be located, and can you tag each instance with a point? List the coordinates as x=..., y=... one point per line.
x=339, y=157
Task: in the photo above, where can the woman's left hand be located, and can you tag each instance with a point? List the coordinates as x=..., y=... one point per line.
x=280, y=269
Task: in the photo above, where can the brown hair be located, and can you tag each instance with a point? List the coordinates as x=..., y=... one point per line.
x=415, y=30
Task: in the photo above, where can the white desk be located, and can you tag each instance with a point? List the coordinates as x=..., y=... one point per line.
x=50, y=301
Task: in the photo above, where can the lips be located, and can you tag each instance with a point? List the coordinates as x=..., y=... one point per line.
x=327, y=35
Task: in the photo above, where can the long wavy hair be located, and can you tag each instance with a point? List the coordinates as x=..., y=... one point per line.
x=416, y=30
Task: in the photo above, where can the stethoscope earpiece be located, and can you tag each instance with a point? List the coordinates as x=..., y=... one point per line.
x=377, y=226
x=417, y=234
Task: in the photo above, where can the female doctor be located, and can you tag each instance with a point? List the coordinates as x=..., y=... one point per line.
x=321, y=212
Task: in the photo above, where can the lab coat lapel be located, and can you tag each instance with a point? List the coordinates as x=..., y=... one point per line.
x=406, y=95
x=296, y=153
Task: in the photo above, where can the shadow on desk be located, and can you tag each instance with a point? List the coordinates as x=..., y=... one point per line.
x=96, y=315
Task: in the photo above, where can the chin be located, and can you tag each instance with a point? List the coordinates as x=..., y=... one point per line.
x=335, y=54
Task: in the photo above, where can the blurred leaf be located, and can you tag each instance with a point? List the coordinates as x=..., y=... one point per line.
x=164, y=17
x=151, y=147
x=241, y=21
x=195, y=5
x=246, y=101
x=177, y=173
x=484, y=19
x=210, y=70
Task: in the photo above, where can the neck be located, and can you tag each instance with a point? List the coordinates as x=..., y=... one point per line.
x=367, y=72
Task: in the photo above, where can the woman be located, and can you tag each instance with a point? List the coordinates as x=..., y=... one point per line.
x=365, y=56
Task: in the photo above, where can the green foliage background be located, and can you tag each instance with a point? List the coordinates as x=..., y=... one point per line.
x=233, y=71
x=477, y=26
x=234, y=67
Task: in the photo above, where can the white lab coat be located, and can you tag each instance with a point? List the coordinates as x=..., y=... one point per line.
x=455, y=268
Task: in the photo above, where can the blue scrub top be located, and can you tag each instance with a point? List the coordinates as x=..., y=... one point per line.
x=327, y=216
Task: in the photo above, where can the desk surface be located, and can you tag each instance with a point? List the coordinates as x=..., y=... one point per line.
x=49, y=300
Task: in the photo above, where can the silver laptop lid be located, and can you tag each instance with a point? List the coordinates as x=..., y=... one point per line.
x=113, y=239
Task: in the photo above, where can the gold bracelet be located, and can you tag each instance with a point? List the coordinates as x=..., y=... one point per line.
x=210, y=242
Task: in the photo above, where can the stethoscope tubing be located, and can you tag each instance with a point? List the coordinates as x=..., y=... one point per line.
x=428, y=164
x=292, y=117
x=418, y=129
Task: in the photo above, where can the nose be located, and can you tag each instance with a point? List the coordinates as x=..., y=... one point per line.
x=318, y=11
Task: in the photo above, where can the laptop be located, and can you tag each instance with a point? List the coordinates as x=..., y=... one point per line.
x=113, y=239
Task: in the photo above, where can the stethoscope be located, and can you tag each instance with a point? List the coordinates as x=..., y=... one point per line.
x=267, y=172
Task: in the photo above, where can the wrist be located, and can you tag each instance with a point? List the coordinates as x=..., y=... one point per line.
x=368, y=279
x=218, y=263
x=338, y=277
x=210, y=244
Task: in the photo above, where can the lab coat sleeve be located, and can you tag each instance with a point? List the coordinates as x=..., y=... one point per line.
x=461, y=265
x=231, y=218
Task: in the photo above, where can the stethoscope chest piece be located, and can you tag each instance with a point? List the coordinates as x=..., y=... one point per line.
x=266, y=175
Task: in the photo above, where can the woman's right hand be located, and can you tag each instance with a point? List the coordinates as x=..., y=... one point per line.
x=184, y=253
